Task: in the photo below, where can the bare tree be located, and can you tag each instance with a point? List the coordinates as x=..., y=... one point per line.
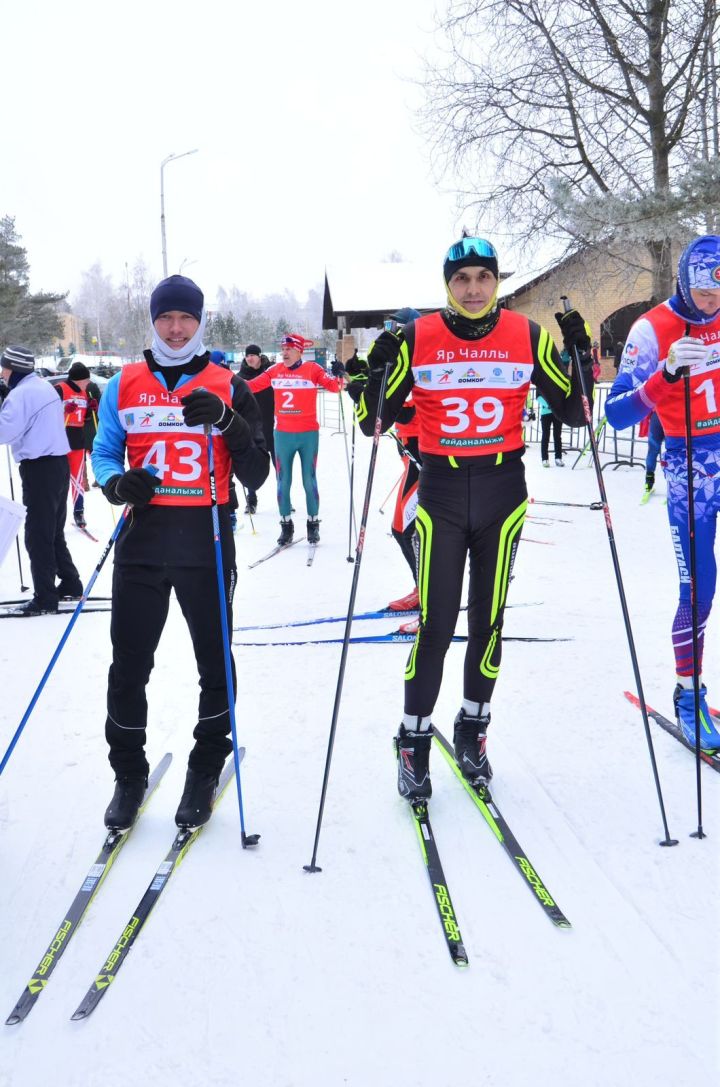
x=590, y=121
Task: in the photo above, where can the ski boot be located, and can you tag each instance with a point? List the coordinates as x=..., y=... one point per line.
x=405, y=603
x=470, y=738
x=313, y=530
x=684, y=700
x=559, y=462
x=413, y=753
x=198, y=798
x=69, y=590
x=128, y=796
x=251, y=504
x=411, y=627
x=287, y=530
x=33, y=608
x=546, y=464
x=79, y=517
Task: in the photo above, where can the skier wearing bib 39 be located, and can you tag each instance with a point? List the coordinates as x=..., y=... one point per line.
x=468, y=368
x=683, y=334
x=156, y=411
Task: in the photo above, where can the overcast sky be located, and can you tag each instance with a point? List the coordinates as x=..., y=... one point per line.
x=303, y=112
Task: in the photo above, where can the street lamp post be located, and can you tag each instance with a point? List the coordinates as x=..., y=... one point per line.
x=163, y=164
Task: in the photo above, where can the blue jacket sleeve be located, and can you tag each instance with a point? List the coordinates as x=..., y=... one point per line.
x=108, y=455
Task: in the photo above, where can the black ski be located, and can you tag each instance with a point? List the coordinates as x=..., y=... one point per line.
x=64, y=608
x=108, y=971
x=91, y=884
x=674, y=729
x=275, y=551
x=445, y=908
x=63, y=600
x=496, y=821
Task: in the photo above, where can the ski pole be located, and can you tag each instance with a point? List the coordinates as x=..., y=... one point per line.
x=392, y=492
x=699, y=833
x=23, y=587
x=618, y=575
x=350, y=461
x=247, y=839
x=252, y=523
x=404, y=451
x=66, y=635
x=312, y=866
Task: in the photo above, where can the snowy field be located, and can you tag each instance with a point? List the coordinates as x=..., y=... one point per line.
x=252, y=971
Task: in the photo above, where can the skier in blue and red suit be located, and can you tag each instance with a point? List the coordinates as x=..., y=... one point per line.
x=683, y=334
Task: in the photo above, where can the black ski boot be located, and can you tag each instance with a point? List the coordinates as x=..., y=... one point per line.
x=251, y=504
x=413, y=752
x=649, y=481
x=79, y=517
x=313, y=530
x=125, y=804
x=198, y=798
x=287, y=530
x=470, y=738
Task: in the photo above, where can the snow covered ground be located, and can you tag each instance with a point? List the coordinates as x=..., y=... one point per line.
x=253, y=971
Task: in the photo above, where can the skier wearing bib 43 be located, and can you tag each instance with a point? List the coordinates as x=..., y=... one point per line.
x=683, y=334
x=468, y=368
x=156, y=412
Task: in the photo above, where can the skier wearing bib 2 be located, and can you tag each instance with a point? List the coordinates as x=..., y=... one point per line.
x=468, y=368
x=295, y=385
x=155, y=412
x=682, y=333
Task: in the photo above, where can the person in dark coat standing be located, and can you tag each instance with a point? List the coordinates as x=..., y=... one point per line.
x=32, y=423
x=253, y=364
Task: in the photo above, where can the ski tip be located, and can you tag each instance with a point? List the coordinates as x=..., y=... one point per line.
x=12, y=1020
x=78, y=1015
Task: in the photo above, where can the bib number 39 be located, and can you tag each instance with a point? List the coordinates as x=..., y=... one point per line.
x=186, y=465
x=488, y=412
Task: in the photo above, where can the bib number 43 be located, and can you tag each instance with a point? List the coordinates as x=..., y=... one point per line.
x=185, y=465
x=487, y=411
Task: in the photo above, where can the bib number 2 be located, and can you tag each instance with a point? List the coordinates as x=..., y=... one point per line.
x=186, y=465
x=488, y=412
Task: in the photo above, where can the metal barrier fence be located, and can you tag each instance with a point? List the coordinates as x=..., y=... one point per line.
x=616, y=447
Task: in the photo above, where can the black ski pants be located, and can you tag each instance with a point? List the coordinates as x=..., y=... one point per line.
x=45, y=483
x=140, y=602
x=475, y=510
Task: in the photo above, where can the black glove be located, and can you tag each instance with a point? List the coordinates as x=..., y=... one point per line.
x=135, y=487
x=203, y=408
x=336, y=368
x=574, y=332
x=384, y=350
x=355, y=367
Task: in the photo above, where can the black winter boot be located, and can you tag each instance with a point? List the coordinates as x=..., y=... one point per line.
x=125, y=804
x=287, y=530
x=470, y=738
x=413, y=752
x=198, y=798
x=313, y=530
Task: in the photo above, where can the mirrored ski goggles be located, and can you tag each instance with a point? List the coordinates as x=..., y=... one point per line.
x=467, y=246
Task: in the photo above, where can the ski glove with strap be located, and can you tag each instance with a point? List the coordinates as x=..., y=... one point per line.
x=385, y=350
x=575, y=333
x=686, y=355
x=203, y=408
x=134, y=488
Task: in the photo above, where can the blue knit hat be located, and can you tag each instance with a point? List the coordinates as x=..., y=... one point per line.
x=177, y=293
x=218, y=357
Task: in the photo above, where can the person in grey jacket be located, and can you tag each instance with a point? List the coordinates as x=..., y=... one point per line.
x=32, y=422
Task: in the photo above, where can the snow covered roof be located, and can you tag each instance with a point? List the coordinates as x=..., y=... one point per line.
x=365, y=293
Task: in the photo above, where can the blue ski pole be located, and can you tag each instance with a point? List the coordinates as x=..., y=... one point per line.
x=247, y=839
x=66, y=635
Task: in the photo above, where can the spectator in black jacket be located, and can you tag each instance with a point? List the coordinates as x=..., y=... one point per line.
x=253, y=364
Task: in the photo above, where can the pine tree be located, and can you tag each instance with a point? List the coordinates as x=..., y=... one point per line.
x=28, y=319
